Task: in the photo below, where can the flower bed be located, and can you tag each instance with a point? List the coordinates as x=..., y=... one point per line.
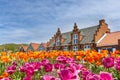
x=60, y=65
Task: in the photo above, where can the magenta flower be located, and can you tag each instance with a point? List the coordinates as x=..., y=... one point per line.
x=6, y=79
x=27, y=78
x=56, y=66
x=85, y=73
x=67, y=75
x=44, y=61
x=106, y=76
x=14, y=63
x=11, y=69
x=29, y=70
x=22, y=69
x=108, y=62
x=48, y=77
x=117, y=64
x=48, y=67
x=93, y=77
x=61, y=59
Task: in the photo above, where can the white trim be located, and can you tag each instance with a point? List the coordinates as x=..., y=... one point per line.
x=101, y=38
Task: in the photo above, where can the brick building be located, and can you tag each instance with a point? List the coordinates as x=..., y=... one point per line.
x=109, y=41
x=78, y=39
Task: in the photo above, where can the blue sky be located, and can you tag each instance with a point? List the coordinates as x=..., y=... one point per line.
x=25, y=21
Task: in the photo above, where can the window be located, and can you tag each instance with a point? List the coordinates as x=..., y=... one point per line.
x=57, y=48
x=51, y=49
x=58, y=41
x=113, y=49
x=75, y=38
x=75, y=48
x=86, y=47
x=65, y=48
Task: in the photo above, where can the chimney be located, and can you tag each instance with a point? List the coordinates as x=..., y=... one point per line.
x=75, y=25
x=102, y=22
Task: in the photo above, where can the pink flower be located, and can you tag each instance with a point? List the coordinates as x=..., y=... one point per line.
x=48, y=77
x=56, y=66
x=106, y=76
x=85, y=73
x=14, y=63
x=11, y=69
x=48, y=67
x=6, y=79
x=22, y=69
x=29, y=71
x=27, y=78
x=93, y=77
x=44, y=61
x=108, y=62
x=61, y=59
x=67, y=75
x=117, y=64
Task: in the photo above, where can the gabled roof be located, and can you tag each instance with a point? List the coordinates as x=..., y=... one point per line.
x=44, y=44
x=110, y=39
x=25, y=47
x=35, y=45
x=87, y=36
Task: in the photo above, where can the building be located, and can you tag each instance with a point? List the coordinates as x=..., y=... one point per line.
x=33, y=47
x=78, y=39
x=42, y=47
x=109, y=41
x=23, y=48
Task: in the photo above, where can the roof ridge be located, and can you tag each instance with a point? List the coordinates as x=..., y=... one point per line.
x=81, y=29
x=115, y=32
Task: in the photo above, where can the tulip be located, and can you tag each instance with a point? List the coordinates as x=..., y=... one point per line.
x=85, y=73
x=106, y=76
x=48, y=77
x=117, y=64
x=56, y=66
x=48, y=67
x=44, y=61
x=93, y=77
x=108, y=62
x=67, y=75
x=6, y=79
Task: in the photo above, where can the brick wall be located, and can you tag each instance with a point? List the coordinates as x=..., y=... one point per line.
x=103, y=28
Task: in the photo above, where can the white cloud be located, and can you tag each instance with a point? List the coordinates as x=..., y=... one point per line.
x=37, y=20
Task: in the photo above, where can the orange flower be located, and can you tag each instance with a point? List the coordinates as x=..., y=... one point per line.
x=5, y=74
x=1, y=77
x=5, y=59
x=98, y=63
x=78, y=57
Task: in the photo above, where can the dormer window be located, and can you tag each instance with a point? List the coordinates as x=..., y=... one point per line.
x=58, y=41
x=75, y=38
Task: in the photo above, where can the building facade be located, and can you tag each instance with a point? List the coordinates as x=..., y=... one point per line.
x=109, y=41
x=78, y=39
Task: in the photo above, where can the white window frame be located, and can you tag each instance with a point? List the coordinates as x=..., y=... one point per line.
x=51, y=49
x=65, y=48
x=58, y=41
x=75, y=48
x=75, y=38
x=86, y=47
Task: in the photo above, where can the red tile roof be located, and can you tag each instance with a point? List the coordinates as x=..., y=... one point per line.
x=35, y=45
x=25, y=47
x=110, y=39
x=44, y=44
